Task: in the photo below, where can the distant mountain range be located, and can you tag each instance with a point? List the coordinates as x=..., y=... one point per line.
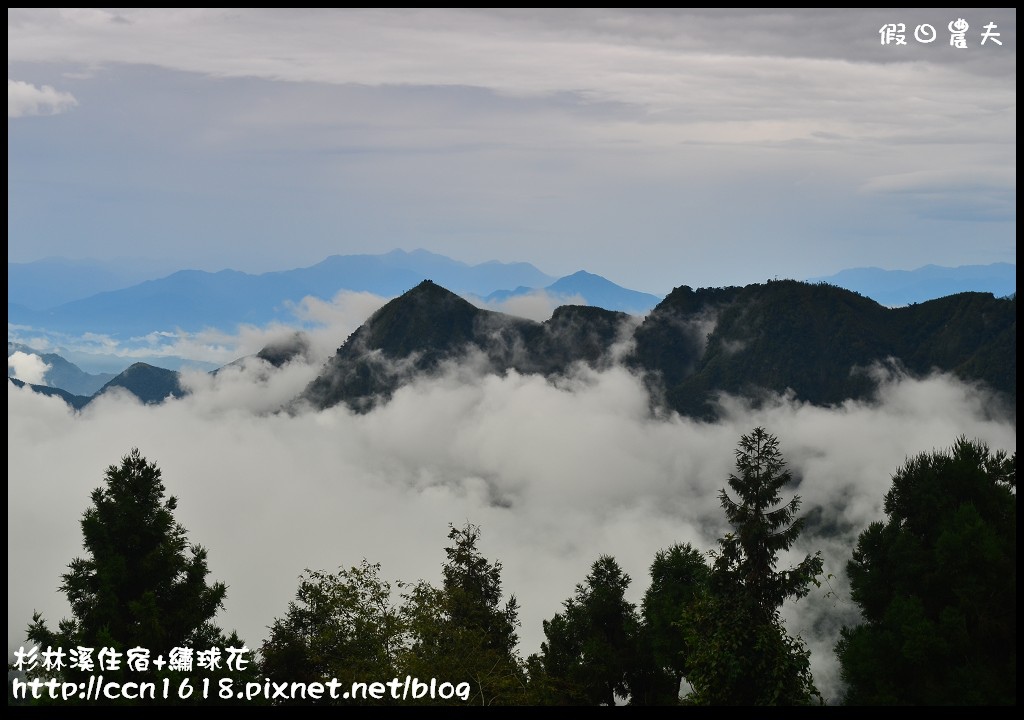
x=594, y=289
x=191, y=300
x=66, y=380
x=904, y=287
x=816, y=342
x=54, y=281
x=62, y=373
x=151, y=385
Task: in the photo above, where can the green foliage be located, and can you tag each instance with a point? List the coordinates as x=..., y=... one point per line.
x=341, y=625
x=590, y=649
x=763, y=527
x=348, y=625
x=461, y=632
x=679, y=576
x=141, y=584
x=937, y=585
x=741, y=653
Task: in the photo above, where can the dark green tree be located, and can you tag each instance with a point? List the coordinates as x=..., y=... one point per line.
x=142, y=584
x=462, y=632
x=936, y=583
x=678, y=576
x=590, y=649
x=741, y=653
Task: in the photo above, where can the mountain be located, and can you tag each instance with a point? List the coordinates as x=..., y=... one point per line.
x=62, y=373
x=191, y=300
x=594, y=289
x=287, y=349
x=54, y=281
x=417, y=332
x=814, y=341
x=904, y=287
x=148, y=383
x=76, y=401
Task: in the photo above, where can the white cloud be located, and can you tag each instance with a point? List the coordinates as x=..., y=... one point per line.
x=535, y=305
x=24, y=99
x=555, y=474
x=27, y=367
x=323, y=323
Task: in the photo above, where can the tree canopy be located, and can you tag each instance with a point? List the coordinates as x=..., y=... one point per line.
x=936, y=583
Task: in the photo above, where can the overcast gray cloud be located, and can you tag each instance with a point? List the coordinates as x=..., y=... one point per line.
x=654, y=147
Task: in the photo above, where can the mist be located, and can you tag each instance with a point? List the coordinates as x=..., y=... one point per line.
x=555, y=472
x=27, y=367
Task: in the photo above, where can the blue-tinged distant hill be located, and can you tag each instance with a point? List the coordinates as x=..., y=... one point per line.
x=75, y=401
x=596, y=290
x=151, y=385
x=50, y=282
x=895, y=288
x=63, y=374
x=193, y=299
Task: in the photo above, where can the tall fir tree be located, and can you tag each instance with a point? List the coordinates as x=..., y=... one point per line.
x=741, y=651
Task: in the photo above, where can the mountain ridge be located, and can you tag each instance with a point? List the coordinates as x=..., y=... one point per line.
x=816, y=343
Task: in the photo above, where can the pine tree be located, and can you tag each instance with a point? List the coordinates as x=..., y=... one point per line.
x=462, y=631
x=763, y=527
x=141, y=584
x=742, y=652
x=591, y=647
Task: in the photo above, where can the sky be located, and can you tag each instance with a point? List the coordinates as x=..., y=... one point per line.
x=656, y=148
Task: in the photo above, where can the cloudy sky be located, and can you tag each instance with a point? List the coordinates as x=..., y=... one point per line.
x=657, y=148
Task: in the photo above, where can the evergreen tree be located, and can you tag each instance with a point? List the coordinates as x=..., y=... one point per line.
x=590, y=649
x=462, y=631
x=742, y=653
x=937, y=585
x=141, y=585
x=678, y=576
